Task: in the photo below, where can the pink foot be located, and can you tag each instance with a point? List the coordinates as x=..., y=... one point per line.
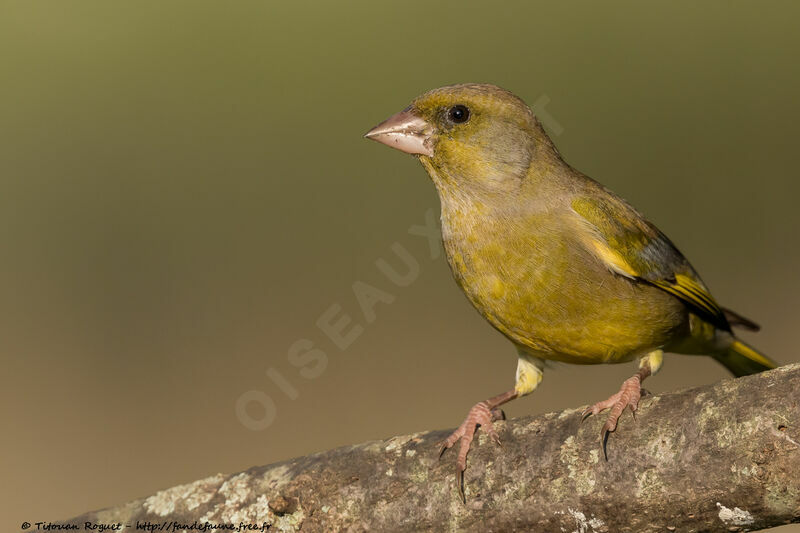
x=480, y=415
x=628, y=397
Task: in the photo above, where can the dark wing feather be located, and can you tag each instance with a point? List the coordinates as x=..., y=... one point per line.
x=633, y=247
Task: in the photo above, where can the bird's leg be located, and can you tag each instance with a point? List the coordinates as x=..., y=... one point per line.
x=627, y=397
x=484, y=413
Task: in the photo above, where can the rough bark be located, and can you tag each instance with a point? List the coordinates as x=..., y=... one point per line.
x=724, y=457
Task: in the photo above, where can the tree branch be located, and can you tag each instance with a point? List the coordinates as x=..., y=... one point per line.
x=724, y=457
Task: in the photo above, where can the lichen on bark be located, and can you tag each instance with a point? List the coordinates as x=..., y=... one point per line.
x=724, y=457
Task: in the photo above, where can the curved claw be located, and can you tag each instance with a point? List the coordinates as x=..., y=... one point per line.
x=481, y=415
x=443, y=447
x=604, y=441
x=460, y=481
x=627, y=398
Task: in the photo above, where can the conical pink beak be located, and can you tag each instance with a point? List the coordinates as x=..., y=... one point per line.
x=405, y=131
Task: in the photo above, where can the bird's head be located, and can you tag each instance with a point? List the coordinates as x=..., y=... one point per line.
x=466, y=136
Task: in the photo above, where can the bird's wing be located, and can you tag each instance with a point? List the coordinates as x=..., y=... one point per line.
x=633, y=247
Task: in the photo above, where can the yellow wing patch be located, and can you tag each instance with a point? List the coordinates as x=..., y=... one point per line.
x=611, y=258
x=629, y=246
x=688, y=290
x=683, y=286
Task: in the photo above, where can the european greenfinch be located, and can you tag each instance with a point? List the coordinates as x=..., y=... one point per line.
x=560, y=265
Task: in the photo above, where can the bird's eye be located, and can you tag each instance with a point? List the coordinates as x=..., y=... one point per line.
x=458, y=114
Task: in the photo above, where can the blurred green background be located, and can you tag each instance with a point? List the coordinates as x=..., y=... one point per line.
x=185, y=189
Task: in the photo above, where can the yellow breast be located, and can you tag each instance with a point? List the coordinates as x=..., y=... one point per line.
x=547, y=293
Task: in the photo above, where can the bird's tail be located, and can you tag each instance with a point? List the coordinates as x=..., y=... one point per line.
x=743, y=360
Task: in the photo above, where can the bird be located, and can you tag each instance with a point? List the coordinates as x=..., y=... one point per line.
x=564, y=268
